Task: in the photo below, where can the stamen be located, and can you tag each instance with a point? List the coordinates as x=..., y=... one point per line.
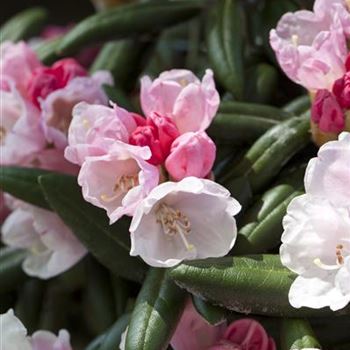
x=339, y=260
x=3, y=133
x=123, y=185
x=295, y=39
x=183, y=82
x=86, y=123
x=174, y=222
x=347, y=2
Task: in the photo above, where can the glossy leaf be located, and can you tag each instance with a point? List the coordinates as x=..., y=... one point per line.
x=157, y=310
x=211, y=313
x=128, y=20
x=256, y=284
x=22, y=183
x=109, y=244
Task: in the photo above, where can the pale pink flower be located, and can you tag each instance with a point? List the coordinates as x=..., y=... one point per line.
x=194, y=333
x=119, y=180
x=192, y=154
x=180, y=220
x=57, y=106
x=316, y=246
x=21, y=134
x=327, y=113
x=17, y=62
x=14, y=336
x=52, y=247
x=311, y=46
x=44, y=340
x=94, y=128
x=180, y=95
x=328, y=175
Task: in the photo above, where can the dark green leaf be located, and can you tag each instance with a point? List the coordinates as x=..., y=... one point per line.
x=158, y=308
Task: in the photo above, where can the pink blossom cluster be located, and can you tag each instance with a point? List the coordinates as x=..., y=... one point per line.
x=155, y=168
x=36, y=110
x=312, y=49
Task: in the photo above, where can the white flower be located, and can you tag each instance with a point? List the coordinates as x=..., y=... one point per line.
x=316, y=246
x=328, y=175
x=13, y=333
x=190, y=219
x=14, y=336
x=52, y=247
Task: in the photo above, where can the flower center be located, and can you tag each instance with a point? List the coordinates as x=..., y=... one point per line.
x=174, y=222
x=339, y=254
x=123, y=185
x=295, y=39
x=3, y=133
x=347, y=2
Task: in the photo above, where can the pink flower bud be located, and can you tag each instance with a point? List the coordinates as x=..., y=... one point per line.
x=191, y=154
x=45, y=80
x=347, y=63
x=148, y=136
x=326, y=112
x=139, y=119
x=341, y=90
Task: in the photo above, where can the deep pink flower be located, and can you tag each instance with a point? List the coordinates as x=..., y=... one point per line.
x=341, y=90
x=181, y=96
x=158, y=134
x=192, y=154
x=327, y=113
x=45, y=80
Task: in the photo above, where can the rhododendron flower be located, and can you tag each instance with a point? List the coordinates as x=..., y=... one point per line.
x=94, y=128
x=45, y=80
x=158, y=133
x=194, y=333
x=52, y=247
x=341, y=89
x=190, y=219
x=178, y=94
x=17, y=62
x=316, y=246
x=311, y=46
x=326, y=112
x=328, y=175
x=192, y=154
x=14, y=336
x=119, y=180
x=21, y=134
x=57, y=107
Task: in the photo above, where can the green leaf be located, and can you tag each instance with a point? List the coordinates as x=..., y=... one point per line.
x=225, y=43
x=239, y=128
x=128, y=20
x=117, y=95
x=157, y=310
x=11, y=273
x=23, y=183
x=125, y=59
x=47, y=50
x=297, y=334
x=256, y=284
x=211, y=313
x=112, y=337
x=299, y=105
x=108, y=243
x=24, y=25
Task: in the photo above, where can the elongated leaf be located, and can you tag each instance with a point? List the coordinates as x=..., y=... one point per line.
x=112, y=337
x=225, y=40
x=211, y=313
x=47, y=50
x=238, y=128
x=297, y=334
x=109, y=244
x=299, y=105
x=11, y=273
x=24, y=25
x=157, y=310
x=253, y=284
x=125, y=59
x=23, y=183
x=128, y=20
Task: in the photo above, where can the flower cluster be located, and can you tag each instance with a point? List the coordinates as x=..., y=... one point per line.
x=36, y=111
x=14, y=336
x=155, y=168
x=311, y=48
x=316, y=238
